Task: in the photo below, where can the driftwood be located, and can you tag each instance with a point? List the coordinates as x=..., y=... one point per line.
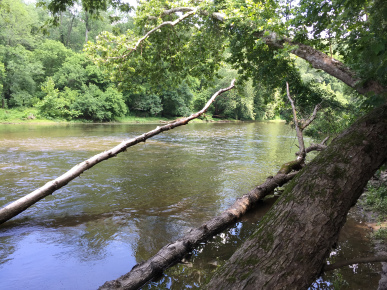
x=23, y=203
x=174, y=252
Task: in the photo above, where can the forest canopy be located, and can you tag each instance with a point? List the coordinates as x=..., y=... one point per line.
x=66, y=60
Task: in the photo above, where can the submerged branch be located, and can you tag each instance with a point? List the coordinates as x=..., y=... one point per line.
x=174, y=252
x=25, y=202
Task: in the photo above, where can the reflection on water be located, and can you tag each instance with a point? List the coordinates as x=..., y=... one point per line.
x=125, y=209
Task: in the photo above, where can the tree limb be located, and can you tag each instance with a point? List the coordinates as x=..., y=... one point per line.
x=215, y=15
x=320, y=60
x=316, y=58
x=306, y=123
x=190, y=12
x=18, y=206
x=174, y=252
x=341, y=264
x=301, y=153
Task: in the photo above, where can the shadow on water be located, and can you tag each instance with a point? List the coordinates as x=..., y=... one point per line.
x=125, y=209
x=197, y=269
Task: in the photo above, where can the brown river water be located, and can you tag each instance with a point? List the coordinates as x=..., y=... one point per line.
x=125, y=209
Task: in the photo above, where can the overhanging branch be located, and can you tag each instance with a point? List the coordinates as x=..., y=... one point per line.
x=190, y=12
x=25, y=202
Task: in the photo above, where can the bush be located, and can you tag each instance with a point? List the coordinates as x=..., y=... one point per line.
x=97, y=105
x=57, y=104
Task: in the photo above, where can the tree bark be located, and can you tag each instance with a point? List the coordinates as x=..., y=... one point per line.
x=87, y=26
x=70, y=29
x=289, y=247
x=18, y=206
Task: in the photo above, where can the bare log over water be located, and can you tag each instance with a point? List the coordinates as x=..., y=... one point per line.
x=174, y=252
x=18, y=206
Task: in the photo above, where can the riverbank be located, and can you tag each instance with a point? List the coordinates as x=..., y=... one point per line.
x=373, y=206
x=30, y=115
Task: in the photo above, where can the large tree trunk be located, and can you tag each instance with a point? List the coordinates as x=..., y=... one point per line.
x=289, y=248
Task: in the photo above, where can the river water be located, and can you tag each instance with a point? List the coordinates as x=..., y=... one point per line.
x=125, y=209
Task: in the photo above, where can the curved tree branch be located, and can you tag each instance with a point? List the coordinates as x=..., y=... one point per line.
x=23, y=203
x=320, y=60
x=190, y=12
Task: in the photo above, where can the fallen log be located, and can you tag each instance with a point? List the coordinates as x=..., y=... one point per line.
x=172, y=253
x=18, y=206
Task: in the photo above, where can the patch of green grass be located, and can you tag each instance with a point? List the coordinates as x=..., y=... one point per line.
x=136, y=119
x=376, y=198
x=381, y=234
x=20, y=115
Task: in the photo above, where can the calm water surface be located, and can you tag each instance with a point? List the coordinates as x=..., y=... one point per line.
x=124, y=210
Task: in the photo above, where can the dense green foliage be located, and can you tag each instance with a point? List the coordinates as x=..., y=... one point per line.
x=177, y=69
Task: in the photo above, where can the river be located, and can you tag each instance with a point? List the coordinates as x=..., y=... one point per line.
x=125, y=209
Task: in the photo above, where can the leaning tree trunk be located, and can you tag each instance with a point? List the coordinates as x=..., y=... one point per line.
x=295, y=237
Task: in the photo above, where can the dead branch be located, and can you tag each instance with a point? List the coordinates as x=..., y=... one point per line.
x=341, y=264
x=18, y=206
x=174, y=252
x=306, y=123
x=316, y=147
x=300, y=126
x=301, y=152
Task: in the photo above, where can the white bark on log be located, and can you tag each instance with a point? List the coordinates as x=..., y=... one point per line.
x=174, y=252
x=18, y=206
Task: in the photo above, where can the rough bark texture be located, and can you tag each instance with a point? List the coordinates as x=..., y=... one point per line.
x=18, y=206
x=295, y=237
x=174, y=252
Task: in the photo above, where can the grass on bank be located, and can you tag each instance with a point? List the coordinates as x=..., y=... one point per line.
x=20, y=115
x=31, y=115
x=375, y=200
